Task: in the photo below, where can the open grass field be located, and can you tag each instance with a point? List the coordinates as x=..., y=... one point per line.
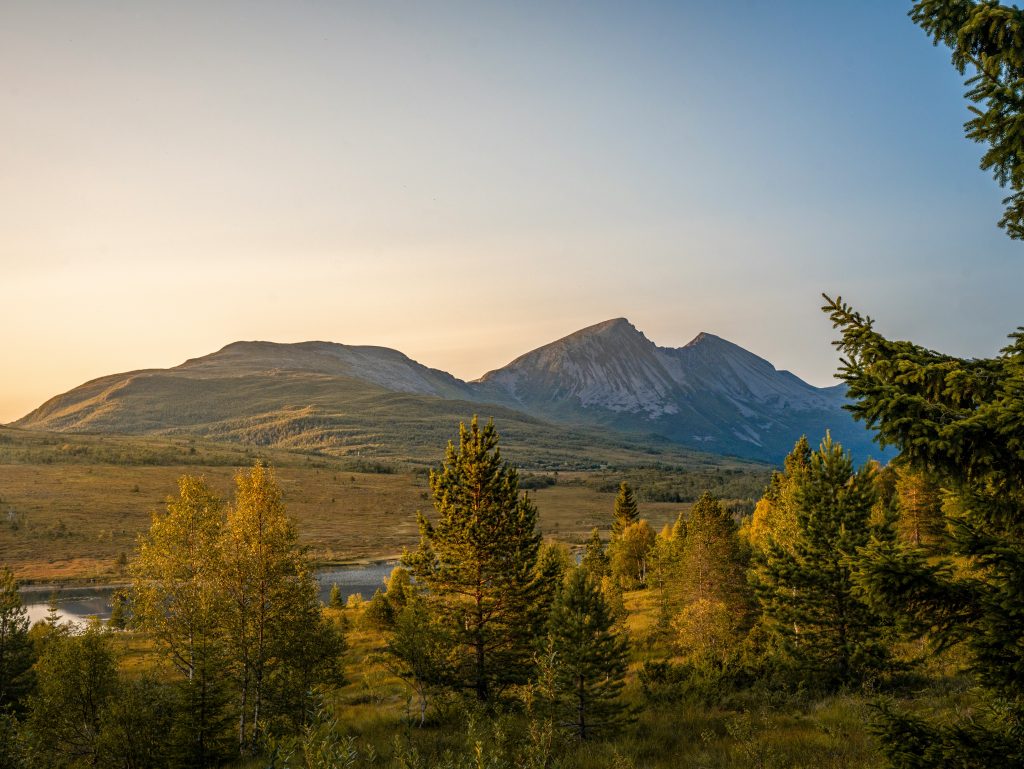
x=70, y=505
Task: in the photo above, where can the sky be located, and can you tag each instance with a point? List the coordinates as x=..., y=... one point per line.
x=468, y=181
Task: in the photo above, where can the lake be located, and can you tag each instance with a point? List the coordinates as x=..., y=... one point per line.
x=77, y=604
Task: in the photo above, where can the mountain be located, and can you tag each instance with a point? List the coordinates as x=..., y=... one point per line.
x=709, y=394
x=604, y=381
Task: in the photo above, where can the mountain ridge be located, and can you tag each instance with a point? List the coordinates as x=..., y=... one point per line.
x=710, y=394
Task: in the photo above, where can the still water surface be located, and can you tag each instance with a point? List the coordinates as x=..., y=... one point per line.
x=78, y=604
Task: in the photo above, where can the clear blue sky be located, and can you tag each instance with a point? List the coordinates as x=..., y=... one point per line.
x=466, y=181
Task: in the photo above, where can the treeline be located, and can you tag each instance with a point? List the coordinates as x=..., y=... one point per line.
x=482, y=611
x=227, y=598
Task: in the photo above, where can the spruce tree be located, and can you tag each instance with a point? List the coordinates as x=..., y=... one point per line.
x=807, y=590
x=589, y=659
x=595, y=560
x=477, y=564
x=16, y=653
x=626, y=511
x=985, y=38
x=963, y=421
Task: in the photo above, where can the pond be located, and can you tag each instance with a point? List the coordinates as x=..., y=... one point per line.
x=77, y=604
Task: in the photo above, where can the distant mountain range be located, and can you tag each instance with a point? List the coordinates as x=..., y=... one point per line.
x=710, y=395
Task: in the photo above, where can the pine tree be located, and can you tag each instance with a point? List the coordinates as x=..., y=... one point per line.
x=589, y=659
x=335, y=601
x=16, y=653
x=626, y=512
x=807, y=591
x=477, y=564
x=963, y=421
x=595, y=560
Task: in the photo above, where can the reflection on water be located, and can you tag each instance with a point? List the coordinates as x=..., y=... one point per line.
x=78, y=604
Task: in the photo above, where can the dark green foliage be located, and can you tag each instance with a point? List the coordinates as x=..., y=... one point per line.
x=477, y=563
x=142, y=727
x=16, y=653
x=588, y=659
x=963, y=421
x=807, y=591
x=595, y=559
x=421, y=650
x=987, y=39
x=13, y=754
x=119, y=610
x=379, y=612
x=626, y=511
x=77, y=684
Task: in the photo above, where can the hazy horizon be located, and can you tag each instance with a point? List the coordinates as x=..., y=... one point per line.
x=469, y=181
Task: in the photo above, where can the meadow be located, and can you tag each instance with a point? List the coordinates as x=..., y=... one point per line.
x=71, y=505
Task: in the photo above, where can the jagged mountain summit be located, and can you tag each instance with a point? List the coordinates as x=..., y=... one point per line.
x=710, y=395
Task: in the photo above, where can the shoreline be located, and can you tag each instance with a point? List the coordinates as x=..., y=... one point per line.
x=84, y=583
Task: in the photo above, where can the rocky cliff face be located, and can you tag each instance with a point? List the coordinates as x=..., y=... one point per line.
x=710, y=393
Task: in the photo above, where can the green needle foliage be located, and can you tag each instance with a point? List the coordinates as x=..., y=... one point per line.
x=627, y=512
x=588, y=659
x=16, y=653
x=477, y=564
x=987, y=39
x=963, y=421
x=807, y=590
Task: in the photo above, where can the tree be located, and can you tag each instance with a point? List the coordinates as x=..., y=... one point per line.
x=807, y=591
x=175, y=597
x=276, y=636
x=986, y=40
x=626, y=511
x=629, y=554
x=421, y=651
x=335, y=601
x=963, y=421
x=774, y=517
x=595, y=560
x=712, y=582
x=477, y=563
x=920, y=519
x=77, y=682
x=16, y=653
x=588, y=658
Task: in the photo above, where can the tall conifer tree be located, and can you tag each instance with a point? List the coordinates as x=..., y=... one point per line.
x=963, y=421
x=16, y=652
x=588, y=657
x=477, y=563
x=807, y=590
x=626, y=511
